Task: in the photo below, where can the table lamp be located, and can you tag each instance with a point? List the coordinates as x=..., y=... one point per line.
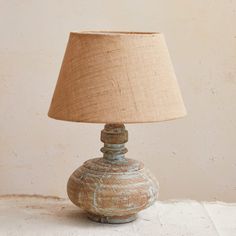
x=115, y=78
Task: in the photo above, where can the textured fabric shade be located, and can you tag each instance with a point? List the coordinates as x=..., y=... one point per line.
x=116, y=77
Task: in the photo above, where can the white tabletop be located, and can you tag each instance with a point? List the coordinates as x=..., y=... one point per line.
x=34, y=215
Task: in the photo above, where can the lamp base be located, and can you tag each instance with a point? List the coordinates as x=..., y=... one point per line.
x=112, y=219
x=112, y=189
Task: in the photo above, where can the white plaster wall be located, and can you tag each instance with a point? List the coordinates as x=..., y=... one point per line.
x=193, y=158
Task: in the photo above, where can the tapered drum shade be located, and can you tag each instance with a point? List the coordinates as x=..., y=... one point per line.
x=116, y=77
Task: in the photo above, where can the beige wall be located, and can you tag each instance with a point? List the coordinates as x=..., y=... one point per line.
x=193, y=158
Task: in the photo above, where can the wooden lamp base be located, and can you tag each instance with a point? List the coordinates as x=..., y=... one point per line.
x=112, y=189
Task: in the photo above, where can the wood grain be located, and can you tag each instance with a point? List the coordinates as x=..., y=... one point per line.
x=112, y=189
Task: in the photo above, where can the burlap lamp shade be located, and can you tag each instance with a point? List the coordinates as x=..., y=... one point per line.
x=116, y=77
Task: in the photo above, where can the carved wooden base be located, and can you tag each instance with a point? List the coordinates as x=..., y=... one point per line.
x=112, y=189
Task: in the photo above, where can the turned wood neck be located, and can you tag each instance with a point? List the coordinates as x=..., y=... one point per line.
x=114, y=137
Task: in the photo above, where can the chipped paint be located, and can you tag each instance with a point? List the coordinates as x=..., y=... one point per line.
x=112, y=189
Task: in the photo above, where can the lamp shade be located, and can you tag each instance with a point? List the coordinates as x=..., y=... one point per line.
x=116, y=77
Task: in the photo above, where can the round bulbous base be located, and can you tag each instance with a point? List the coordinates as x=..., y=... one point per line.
x=112, y=191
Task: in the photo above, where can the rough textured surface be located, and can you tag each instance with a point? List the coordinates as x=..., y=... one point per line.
x=112, y=189
x=116, y=77
x=45, y=216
